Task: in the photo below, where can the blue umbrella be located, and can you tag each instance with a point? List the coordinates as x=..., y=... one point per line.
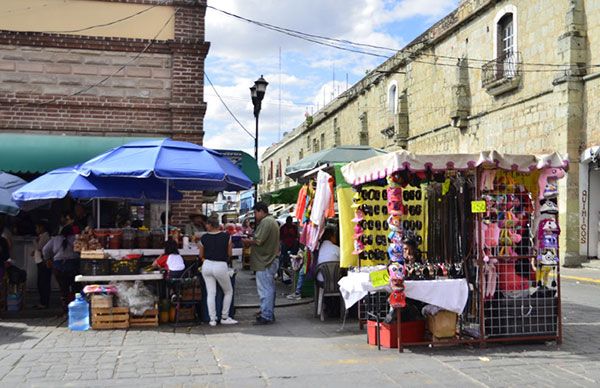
x=8, y=184
x=65, y=181
x=186, y=166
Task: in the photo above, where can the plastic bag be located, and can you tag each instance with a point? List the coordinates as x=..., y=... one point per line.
x=136, y=296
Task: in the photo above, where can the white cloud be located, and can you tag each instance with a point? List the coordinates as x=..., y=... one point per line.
x=240, y=52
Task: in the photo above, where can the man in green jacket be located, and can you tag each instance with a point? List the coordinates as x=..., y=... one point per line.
x=264, y=260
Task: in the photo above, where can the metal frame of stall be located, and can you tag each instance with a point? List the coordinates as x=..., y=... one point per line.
x=485, y=334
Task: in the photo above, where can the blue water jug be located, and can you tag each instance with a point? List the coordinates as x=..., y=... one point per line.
x=79, y=314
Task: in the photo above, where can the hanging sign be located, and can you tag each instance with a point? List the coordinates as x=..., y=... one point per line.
x=379, y=278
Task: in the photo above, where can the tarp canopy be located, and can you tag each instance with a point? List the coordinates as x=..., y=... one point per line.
x=379, y=167
x=342, y=154
x=282, y=196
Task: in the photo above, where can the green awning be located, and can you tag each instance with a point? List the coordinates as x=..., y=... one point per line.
x=29, y=153
x=245, y=162
x=23, y=153
x=282, y=196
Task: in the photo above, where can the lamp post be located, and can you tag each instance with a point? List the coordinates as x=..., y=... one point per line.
x=257, y=92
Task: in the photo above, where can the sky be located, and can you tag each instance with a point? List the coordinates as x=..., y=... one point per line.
x=302, y=75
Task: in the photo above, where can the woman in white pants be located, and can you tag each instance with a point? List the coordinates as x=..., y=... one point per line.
x=215, y=251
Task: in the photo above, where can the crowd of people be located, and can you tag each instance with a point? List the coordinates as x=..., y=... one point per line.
x=271, y=248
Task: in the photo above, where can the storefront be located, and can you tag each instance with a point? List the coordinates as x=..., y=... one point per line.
x=589, y=203
x=474, y=237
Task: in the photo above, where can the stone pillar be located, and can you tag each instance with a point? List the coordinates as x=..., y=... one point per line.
x=569, y=86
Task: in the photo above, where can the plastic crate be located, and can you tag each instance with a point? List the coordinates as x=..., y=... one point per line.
x=125, y=267
x=388, y=333
x=94, y=267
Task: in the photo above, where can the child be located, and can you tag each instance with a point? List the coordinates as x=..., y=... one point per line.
x=171, y=260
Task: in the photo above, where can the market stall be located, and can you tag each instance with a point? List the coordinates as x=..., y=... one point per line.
x=140, y=170
x=465, y=245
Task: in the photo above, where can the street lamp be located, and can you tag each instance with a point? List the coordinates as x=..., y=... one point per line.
x=257, y=92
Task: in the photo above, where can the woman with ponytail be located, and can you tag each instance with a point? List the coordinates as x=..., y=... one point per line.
x=63, y=260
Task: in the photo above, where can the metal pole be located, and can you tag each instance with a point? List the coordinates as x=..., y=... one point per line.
x=256, y=155
x=98, y=213
x=167, y=214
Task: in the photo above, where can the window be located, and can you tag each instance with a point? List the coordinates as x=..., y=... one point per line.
x=337, y=135
x=301, y=154
x=315, y=145
x=363, y=135
x=271, y=170
x=393, y=98
x=503, y=72
x=287, y=161
x=322, y=141
x=506, y=35
x=279, y=169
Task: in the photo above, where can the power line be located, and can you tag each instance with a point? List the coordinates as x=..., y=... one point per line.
x=226, y=107
x=334, y=43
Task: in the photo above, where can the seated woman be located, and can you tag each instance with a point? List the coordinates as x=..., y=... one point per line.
x=171, y=260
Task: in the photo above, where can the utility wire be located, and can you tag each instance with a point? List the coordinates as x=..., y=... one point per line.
x=334, y=43
x=226, y=107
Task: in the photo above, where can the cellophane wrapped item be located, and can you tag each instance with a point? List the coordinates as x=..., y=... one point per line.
x=136, y=296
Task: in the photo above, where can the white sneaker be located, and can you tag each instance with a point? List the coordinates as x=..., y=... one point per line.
x=228, y=321
x=212, y=323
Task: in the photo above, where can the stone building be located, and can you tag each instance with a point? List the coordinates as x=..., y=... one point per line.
x=518, y=76
x=110, y=68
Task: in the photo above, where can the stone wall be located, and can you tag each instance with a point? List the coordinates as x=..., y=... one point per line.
x=547, y=108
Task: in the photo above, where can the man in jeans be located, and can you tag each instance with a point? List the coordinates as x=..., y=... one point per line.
x=263, y=260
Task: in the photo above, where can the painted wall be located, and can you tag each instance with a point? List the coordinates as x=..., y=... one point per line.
x=63, y=16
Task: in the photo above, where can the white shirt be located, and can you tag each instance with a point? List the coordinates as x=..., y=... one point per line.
x=327, y=252
x=175, y=263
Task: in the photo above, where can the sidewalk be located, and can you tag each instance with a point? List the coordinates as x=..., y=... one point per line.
x=246, y=296
x=588, y=272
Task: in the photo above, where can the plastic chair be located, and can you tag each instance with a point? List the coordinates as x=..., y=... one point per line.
x=327, y=288
x=189, y=278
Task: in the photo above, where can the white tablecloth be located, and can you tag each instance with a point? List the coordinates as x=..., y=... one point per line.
x=449, y=294
x=118, y=278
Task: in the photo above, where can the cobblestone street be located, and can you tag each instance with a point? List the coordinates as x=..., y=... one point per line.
x=296, y=351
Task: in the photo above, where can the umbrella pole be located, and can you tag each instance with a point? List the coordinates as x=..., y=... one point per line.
x=167, y=214
x=98, y=213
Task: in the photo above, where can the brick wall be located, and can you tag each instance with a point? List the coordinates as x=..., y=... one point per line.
x=45, y=84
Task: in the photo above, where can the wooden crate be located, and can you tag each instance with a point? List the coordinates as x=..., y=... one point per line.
x=148, y=319
x=107, y=318
x=191, y=293
x=187, y=313
x=102, y=301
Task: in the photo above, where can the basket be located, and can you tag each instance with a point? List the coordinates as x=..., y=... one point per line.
x=125, y=267
x=94, y=267
x=442, y=324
